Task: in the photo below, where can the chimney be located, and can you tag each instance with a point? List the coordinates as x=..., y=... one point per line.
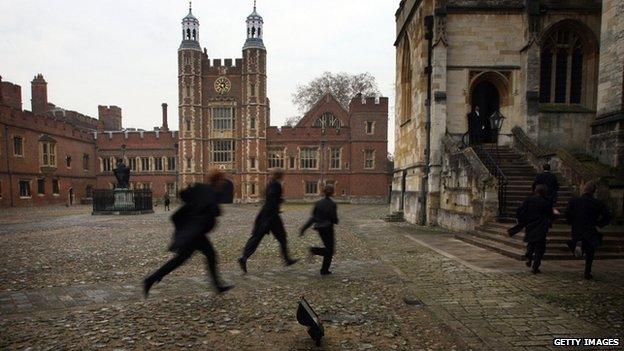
x=165, y=127
x=39, y=92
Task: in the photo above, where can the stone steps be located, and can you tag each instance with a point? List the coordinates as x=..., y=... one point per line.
x=520, y=175
x=517, y=252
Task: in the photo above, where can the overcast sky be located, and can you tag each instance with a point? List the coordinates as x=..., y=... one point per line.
x=124, y=53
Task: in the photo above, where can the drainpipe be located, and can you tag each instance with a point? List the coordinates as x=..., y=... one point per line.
x=6, y=141
x=429, y=71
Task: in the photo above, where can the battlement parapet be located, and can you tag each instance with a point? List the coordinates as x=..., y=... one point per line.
x=137, y=139
x=363, y=104
x=43, y=124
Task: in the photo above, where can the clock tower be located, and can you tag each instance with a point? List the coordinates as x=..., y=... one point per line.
x=224, y=111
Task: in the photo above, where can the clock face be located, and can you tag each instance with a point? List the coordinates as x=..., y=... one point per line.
x=222, y=85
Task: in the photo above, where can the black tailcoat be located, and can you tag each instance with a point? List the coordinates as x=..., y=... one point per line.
x=535, y=215
x=196, y=217
x=584, y=214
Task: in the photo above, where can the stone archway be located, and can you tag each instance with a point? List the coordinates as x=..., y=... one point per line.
x=489, y=91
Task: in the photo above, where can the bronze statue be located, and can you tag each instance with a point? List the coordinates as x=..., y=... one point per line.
x=122, y=173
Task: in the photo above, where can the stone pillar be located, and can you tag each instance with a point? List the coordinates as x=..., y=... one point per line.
x=438, y=112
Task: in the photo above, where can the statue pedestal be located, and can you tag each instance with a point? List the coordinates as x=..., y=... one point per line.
x=124, y=200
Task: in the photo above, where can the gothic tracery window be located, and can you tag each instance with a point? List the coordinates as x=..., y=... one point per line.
x=327, y=120
x=563, y=56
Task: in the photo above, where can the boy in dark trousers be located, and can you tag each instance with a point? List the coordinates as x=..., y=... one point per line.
x=584, y=214
x=324, y=216
x=535, y=215
x=196, y=218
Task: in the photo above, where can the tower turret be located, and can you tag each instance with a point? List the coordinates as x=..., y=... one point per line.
x=190, y=31
x=255, y=30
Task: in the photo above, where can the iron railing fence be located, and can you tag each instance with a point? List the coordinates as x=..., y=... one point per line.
x=108, y=200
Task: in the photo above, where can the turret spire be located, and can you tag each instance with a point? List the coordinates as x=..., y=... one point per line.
x=254, y=30
x=190, y=31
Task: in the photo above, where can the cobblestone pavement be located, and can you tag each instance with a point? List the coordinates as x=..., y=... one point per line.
x=69, y=280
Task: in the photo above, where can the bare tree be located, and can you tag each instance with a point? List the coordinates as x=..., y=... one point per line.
x=343, y=86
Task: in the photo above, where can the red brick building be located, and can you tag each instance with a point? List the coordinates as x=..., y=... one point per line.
x=224, y=116
x=58, y=156
x=42, y=160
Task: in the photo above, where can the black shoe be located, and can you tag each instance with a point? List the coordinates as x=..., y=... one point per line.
x=536, y=271
x=223, y=288
x=529, y=263
x=242, y=262
x=290, y=262
x=147, y=285
x=326, y=272
x=589, y=276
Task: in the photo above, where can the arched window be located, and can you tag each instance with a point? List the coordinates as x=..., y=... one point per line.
x=406, y=81
x=194, y=35
x=563, y=60
x=327, y=120
x=188, y=34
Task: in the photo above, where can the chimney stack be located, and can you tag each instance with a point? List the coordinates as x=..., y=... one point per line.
x=39, y=94
x=165, y=126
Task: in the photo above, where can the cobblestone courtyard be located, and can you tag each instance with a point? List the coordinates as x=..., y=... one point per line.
x=70, y=280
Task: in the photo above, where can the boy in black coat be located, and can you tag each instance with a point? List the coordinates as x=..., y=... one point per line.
x=550, y=180
x=268, y=220
x=324, y=216
x=584, y=214
x=192, y=222
x=535, y=215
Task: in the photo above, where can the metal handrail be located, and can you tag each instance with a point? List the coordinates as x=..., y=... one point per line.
x=498, y=173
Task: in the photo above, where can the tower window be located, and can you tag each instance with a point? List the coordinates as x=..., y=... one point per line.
x=188, y=34
x=369, y=159
x=253, y=89
x=223, y=151
x=370, y=128
x=187, y=121
x=188, y=164
x=252, y=123
x=223, y=118
x=194, y=35
x=259, y=32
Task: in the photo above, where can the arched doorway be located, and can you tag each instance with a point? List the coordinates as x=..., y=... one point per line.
x=227, y=193
x=486, y=95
